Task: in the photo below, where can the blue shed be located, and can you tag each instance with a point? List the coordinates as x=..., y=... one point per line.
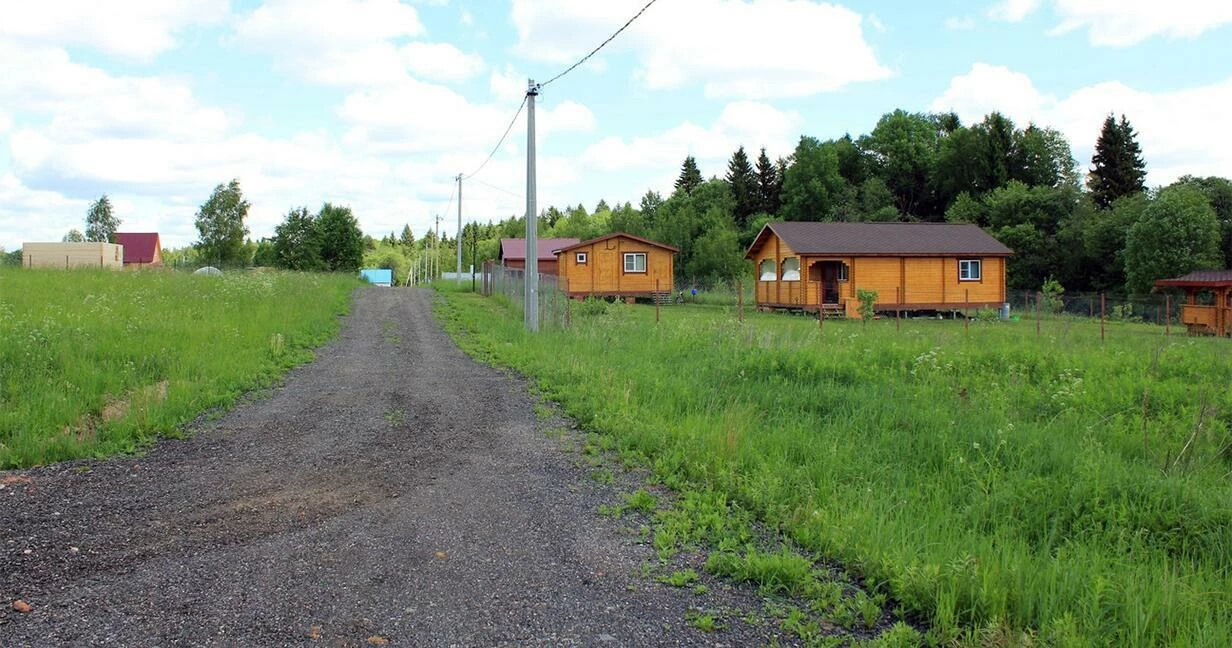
x=378, y=276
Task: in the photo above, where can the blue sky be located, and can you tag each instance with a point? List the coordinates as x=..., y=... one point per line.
x=377, y=104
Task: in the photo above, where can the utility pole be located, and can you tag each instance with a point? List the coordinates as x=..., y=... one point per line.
x=531, y=298
x=459, y=230
x=436, y=249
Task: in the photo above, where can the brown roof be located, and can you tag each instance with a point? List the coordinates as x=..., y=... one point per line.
x=515, y=248
x=883, y=239
x=1199, y=279
x=139, y=247
x=615, y=235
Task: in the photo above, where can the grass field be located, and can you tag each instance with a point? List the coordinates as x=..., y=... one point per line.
x=94, y=363
x=1007, y=488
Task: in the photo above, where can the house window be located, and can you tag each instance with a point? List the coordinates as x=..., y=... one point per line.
x=791, y=269
x=969, y=270
x=766, y=271
x=842, y=272
x=635, y=262
x=581, y=258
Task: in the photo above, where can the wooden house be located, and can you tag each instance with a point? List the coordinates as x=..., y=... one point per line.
x=1208, y=304
x=911, y=266
x=616, y=265
x=67, y=256
x=141, y=249
x=513, y=253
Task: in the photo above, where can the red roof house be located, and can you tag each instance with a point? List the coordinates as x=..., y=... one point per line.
x=513, y=252
x=140, y=248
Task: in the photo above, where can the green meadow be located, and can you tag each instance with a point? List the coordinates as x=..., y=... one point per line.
x=94, y=363
x=1003, y=487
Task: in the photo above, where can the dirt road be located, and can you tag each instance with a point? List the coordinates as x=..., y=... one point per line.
x=391, y=490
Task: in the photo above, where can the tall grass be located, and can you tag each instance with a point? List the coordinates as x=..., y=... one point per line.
x=995, y=482
x=95, y=362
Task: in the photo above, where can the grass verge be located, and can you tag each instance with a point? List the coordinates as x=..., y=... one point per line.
x=1007, y=487
x=94, y=363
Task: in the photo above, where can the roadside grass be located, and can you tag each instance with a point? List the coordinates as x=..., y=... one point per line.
x=95, y=363
x=1005, y=487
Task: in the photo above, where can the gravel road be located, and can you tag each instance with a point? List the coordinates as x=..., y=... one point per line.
x=391, y=491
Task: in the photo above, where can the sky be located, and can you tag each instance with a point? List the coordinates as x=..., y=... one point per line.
x=380, y=104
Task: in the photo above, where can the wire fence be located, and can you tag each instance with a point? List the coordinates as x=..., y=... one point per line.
x=510, y=284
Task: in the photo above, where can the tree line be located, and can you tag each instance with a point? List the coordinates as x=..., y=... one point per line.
x=1022, y=184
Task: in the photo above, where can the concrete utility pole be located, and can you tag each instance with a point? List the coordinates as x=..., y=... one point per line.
x=436, y=250
x=531, y=298
x=459, y=229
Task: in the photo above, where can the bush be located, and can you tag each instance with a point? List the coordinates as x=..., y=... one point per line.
x=868, y=301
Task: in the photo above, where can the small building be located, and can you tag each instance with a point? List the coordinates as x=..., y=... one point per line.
x=67, y=256
x=513, y=253
x=378, y=276
x=1208, y=301
x=616, y=265
x=911, y=266
x=141, y=249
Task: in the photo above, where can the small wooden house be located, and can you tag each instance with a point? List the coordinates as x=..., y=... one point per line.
x=67, y=256
x=911, y=266
x=616, y=265
x=141, y=249
x=513, y=253
x=1214, y=318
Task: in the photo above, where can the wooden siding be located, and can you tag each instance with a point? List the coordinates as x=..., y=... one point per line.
x=545, y=267
x=72, y=255
x=909, y=283
x=604, y=270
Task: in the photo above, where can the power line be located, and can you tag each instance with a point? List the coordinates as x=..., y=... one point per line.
x=515, y=195
x=601, y=45
x=498, y=144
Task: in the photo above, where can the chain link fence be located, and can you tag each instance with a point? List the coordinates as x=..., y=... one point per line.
x=510, y=284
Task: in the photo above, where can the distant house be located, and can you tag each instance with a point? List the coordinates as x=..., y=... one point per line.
x=1214, y=317
x=616, y=265
x=141, y=249
x=67, y=256
x=513, y=253
x=911, y=266
x=378, y=276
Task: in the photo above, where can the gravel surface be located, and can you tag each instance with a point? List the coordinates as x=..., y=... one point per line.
x=391, y=491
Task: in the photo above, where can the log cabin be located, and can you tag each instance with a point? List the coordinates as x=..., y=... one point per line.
x=1207, y=309
x=912, y=266
x=617, y=265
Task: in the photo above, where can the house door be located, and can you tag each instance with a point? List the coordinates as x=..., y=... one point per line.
x=829, y=282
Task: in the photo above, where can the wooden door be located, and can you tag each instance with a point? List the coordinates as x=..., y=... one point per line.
x=607, y=270
x=829, y=282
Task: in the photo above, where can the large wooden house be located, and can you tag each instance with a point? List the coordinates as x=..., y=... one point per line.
x=911, y=266
x=616, y=265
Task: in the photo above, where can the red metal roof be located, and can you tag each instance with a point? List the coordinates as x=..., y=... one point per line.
x=614, y=235
x=883, y=239
x=514, y=249
x=139, y=247
x=1199, y=279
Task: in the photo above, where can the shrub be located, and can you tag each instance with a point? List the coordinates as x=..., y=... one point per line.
x=868, y=301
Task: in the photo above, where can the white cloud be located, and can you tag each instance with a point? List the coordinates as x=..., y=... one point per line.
x=136, y=29
x=466, y=18
x=323, y=24
x=776, y=48
x=6, y=122
x=960, y=24
x=507, y=86
x=440, y=61
x=1179, y=131
x=1119, y=23
x=1013, y=10
x=742, y=123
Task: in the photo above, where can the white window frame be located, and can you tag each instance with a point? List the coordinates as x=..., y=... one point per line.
x=793, y=274
x=633, y=256
x=765, y=273
x=843, y=271
x=580, y=258
x=965, y=270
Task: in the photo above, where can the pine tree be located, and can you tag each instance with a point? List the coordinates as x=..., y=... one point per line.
x=743, y=183
x=407, y=239
x=769, y=185
x=1118, y=167
x=690, y=176
x=101, y=224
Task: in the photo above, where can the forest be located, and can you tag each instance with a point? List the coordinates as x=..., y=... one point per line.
x=1105, y=231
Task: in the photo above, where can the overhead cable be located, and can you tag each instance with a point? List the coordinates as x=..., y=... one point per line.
x=498, y=143
x=601, y=45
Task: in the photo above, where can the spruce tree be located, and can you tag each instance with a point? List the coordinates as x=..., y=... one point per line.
x=690, y=176
x=1118, y=167
x=743, y=183
x=769, y=184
